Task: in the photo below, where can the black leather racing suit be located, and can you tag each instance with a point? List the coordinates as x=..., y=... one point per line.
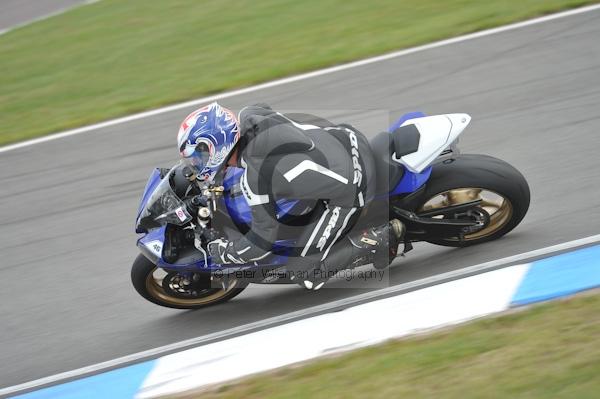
x=302, y=157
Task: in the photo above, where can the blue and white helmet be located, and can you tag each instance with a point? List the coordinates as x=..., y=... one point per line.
x=206, y=138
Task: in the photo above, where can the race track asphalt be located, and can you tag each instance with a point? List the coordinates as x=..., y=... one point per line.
x=67, y=206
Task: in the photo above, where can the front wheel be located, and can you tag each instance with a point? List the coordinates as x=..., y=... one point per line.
x=174, y=290
x=502, y=190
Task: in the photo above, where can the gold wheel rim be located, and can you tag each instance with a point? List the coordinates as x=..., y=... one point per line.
x=155, y=288
x=496, y=205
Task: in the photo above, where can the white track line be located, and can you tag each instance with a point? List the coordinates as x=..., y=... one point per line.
x=46, y=16
x=304, y=76
x=319, y=309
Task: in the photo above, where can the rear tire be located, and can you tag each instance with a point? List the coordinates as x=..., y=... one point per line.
x=144, y=282
x=474, y=172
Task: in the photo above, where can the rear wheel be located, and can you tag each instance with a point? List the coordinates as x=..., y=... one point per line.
x=174, y=290
x=502, y=190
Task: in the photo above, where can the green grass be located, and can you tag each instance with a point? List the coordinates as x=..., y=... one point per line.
x=548, y=351
x=116, y=57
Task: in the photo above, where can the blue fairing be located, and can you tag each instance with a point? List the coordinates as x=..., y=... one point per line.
x=238, y=208
x=410, y=181
x=157, y=234
x=281, y=249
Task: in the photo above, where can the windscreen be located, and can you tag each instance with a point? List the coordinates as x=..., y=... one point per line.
x=164, y=206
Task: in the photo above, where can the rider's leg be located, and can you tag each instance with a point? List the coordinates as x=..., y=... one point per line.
x=325, y=246
x=316, y=241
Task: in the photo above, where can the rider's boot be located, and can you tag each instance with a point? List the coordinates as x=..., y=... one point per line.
x=378, y=238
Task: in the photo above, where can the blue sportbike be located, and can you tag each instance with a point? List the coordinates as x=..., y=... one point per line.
x=442, y=196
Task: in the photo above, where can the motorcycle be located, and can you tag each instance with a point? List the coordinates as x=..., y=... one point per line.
x=442, y=197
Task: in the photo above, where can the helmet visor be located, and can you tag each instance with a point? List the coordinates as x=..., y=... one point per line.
x=196, y=156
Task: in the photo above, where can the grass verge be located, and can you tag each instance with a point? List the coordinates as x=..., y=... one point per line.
x=114, y=57
x=549, y=350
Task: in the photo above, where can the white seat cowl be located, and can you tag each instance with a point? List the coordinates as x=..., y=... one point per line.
x=436, y=133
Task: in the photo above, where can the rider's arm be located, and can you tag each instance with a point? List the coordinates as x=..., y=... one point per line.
x=263, y=232
x=257, y=243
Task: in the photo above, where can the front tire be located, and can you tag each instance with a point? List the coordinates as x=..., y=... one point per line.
x=148, y=284
x=503, y=190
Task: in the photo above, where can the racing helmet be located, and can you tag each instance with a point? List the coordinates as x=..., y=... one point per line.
x=206, y=138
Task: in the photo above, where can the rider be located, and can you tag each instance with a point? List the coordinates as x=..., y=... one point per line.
x=300, y=157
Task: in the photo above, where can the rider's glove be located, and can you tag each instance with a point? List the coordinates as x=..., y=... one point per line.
x=222, y=252
x=217, y=249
